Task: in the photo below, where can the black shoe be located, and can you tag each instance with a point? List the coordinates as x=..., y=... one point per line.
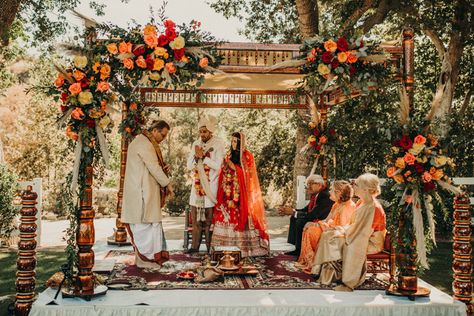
x=292, y=253
x=191, y=250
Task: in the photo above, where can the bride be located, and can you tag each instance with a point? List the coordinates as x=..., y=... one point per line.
x=239, y=216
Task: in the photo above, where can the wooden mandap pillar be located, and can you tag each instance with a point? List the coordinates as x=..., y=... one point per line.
x=408, y=46
x=462, y=250
x=323, y=111
x=120, y=236
x=26, y=262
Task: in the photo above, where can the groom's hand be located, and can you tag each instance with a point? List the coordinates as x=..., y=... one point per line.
x=198, y=152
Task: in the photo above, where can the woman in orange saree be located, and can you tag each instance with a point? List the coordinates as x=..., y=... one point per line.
x=239, y=215
x=341, y=213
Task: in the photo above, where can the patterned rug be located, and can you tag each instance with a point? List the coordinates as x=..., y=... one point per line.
x=276, y=271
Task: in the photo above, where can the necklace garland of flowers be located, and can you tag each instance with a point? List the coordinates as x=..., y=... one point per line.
x=420, y=169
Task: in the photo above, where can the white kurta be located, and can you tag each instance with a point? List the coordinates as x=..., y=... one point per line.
x=214, y=162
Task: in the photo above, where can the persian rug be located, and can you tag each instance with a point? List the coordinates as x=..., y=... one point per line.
x=277, y=271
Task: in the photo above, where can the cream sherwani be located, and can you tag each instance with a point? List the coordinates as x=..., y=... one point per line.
x=141, y=198
x=214, y=162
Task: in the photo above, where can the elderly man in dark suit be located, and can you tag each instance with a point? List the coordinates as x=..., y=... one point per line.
x=318, y=209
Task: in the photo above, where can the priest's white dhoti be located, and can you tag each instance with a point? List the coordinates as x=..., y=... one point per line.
x=149, y=242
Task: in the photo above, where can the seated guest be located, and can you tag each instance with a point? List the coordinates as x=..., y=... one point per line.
x=351, y=243
x=318, y=209
x=340, y=215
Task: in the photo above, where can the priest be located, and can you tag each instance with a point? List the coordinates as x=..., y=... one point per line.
x=146, y=188
x=204, y=161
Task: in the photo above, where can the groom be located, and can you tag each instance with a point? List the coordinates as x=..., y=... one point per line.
x=204, y=161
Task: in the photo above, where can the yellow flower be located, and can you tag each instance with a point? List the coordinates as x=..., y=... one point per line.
x=436, y=174
x=149, y=30
x=330, y=46
x=416, y=148
x=342, y=57
x=80, y=61
x=422, y=159
x=104, y=122
x=398, y=178
x=311, y=139
x=440, y=161
x=154, y=75
x=158, y=64
x=323, y=69
x=312, y=125
x=85, y=97
x=160, y=51
x=400, y=163
x=177, y=43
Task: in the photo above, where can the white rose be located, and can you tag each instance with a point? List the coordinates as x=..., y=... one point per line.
x=104, y=122
x=439, y=161
x=177, y=43
x=80, y=61
x=85, y=97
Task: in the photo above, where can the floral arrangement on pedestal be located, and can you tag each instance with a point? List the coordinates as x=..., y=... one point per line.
x=347, y=63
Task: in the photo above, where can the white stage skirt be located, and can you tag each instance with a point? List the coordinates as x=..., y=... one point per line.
x=249, y=303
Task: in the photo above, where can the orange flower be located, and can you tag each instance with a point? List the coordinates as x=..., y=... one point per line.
x=96, y=67
x=170, y=67
x=128, y=130
x=141, y=62
x=433, y=140
x=409, y=158
x=437, y=174
x=426, y=177
x=400, y=163
x=158, y=64
x=78, y=75
x=128, y=63
x=104, y=71
x=184, y=59
x=330, y=46
x=151, y=40
x=125, y=48
x=398, y=178
x=133, y=106
x=408, y=199
x=342, y=57
x=103, y=86
x=77, y=114
x=150, y=30
x=69, y=133
x=323, y=139
x=419, y=139
x=112, y=48
x=204, y=62
x=75, y=88
x=391, y=171
x=351, y=58
x=59, y=81
x=103, y=105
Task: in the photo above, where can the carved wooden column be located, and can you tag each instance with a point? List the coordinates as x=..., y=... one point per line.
x=408, y=45
x=26, y=262
x=462, y=266
x=86, y=239
x=120, y=237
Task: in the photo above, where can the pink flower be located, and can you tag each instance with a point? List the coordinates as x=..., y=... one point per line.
x=427, y=177
x=103, y=86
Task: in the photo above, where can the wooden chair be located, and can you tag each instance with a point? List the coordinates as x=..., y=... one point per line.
x=188, y=230
x=384, y=261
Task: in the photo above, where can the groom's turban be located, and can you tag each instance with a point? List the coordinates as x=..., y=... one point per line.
x=210, y=122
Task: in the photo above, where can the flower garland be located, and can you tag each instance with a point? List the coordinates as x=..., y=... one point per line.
x=420, y=169
x=322, y=141
x=231, y=187
x=197, y=182
x=348, y=64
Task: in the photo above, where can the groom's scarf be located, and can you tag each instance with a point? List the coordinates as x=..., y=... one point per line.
x=204, y=186
x=163, y=191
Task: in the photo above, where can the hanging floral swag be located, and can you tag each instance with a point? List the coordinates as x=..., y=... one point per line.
x=322, y=141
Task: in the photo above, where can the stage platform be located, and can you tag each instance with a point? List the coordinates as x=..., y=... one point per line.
x=246, y=302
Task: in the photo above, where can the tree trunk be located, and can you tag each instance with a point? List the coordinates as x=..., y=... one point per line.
x=308, y=18
x=8, y=12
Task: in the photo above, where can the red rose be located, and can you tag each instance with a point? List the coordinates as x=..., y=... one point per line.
x=64, y=96
x=163, y=40
x=332, y=131
x=352, y=70
x=138, y=50
x=318, y=147
x=171, y=34
x=334, y=64
x=428, y=186
x=85, y=83
x=169, y=24
x=326, y=57
x=90, y=123
x=178, y=53
x=63, y=108
x=406, y=142
x=342, y=44
x=150, y=62
x=316, y=132
x=419, y=168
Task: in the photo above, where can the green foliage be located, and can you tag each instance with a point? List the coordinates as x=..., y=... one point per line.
x=8, y=191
